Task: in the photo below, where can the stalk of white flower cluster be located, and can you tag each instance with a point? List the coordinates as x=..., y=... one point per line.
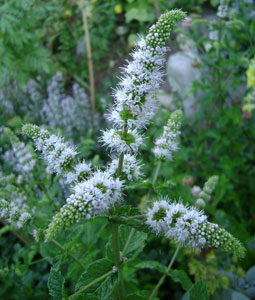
x=167, y=143
x=189, y=227
x=22, y=152
x=204, y=195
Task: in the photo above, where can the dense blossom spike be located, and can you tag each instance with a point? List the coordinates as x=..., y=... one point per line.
x=134, y=104
x=189, y=227
x=22, y=152
x=168, y=142
x=130, y=168
x=94, y=196
x=58, y=154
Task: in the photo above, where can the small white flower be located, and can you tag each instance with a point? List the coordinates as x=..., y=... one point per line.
x=195, y=191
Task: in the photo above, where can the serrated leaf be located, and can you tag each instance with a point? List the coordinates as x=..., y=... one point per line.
x=199, y=291
x=56, y=284
x=101, y=288
x=181, y=277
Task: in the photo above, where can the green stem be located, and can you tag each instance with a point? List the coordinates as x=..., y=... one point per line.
x=155, y=177
x=161, y=280
x=116, y=254
x=132, y=232
x=219, y=86
x=90, y=284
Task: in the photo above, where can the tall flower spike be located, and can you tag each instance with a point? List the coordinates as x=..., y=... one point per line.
x=141, y=77
x=58, y=154
x=94, y=196
x=189, y=227
x=22, y=152
x=168, y=142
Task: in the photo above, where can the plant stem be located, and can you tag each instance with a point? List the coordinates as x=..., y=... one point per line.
x=116, y=254
x=132, y=232
x=161, y=280
x=89, y=56
x=219, y=86
x=156, y=6
x=90, y=284
x=155, y=177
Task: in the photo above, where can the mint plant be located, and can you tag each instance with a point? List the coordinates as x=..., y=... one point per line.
x=99, y=193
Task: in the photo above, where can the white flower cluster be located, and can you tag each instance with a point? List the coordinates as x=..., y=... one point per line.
x=80, y=172
x=70, y=113
x=168, y=142
x=13, y=213
x=178, y=222
x=23, y=154
x=131, y=168
x=189, y=227
x=94, y=196
x=58, y=154
x=132, y=108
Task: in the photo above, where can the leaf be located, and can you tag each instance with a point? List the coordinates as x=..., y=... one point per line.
x=131, y=242
x=101, y=288
x=181, y=277
x=199, y=291
x=56, y=284
x=149, y=264
x=141, y=295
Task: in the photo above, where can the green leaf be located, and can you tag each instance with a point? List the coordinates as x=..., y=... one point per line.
x=149, y=264
x=98, y=280
x=56, y=284
x=131, y=243
x=199, y=291
x=181, y=277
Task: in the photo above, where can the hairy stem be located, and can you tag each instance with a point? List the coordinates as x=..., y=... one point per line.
x=89, y=56
x=116, y=254
x=161, y=280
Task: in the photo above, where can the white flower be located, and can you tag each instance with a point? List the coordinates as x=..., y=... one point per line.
x=119, y=142
x=156, y=216
x=130, y=168
x=195, y=191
